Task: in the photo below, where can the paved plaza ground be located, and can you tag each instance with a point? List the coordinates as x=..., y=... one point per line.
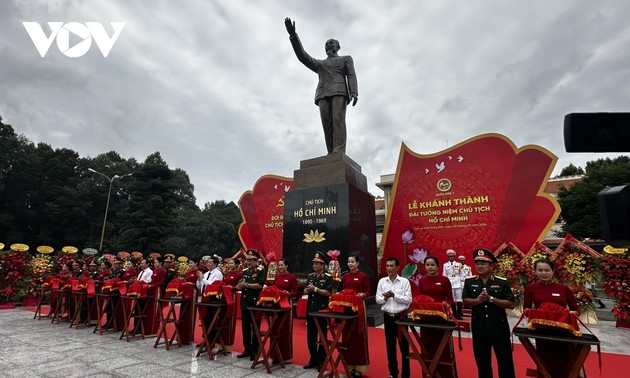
x=37, y=348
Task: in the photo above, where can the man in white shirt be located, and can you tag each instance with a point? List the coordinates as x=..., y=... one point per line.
x=205, y=279
x=466, y=270
x=453, y=271
x=213, y=273
x=394, y=294
x=145, y=272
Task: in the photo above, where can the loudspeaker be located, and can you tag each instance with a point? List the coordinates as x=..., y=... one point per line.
x=614, y=214
x=597, y=132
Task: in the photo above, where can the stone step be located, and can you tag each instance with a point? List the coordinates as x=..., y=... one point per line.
x=374, y=315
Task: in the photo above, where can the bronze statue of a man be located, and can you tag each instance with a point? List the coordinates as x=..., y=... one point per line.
x=336, y=87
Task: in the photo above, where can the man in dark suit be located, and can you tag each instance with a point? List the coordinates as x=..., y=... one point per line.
x=336, y=87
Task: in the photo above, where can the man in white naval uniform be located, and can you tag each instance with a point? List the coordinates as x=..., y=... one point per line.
x=453, y=271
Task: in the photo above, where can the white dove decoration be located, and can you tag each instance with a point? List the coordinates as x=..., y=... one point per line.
x=440, y=167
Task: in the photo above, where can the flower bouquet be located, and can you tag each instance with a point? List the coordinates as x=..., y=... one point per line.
x=575, y=261
x=616, y=273
x=13, y=270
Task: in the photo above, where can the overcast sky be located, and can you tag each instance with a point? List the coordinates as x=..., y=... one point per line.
x=215, y=87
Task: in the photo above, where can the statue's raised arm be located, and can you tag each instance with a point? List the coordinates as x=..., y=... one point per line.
x=337, y=87
x=290, y=26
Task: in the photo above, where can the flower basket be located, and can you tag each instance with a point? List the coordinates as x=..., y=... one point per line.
x=575, y=261
x=508, y=262
x=622, y=324
x=589, y=317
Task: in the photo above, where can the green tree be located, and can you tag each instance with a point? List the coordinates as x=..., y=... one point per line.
x=225, y=219
x=18, y=174
x=579, y=202
x=50, y=196
x=571, y=170
x=109, y=164
x=155, y=195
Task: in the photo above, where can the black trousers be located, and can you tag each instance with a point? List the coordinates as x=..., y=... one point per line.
x=318, y=354
x=482, y=348
x=391, y=336
x=250, y=341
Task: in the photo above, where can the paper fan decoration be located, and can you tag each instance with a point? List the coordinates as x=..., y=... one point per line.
x=45, y=249
x=123, y=255
x=19, y=247
x=182, y=259
x=89, y=251
x=1, y=246
x=154, y=255
x=136, y=255
x=69, y=249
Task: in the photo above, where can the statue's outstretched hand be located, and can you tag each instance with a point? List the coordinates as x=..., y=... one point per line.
x=354, y=99
x=290, y=26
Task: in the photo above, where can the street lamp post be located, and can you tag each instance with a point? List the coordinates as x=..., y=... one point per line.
x=109, y=193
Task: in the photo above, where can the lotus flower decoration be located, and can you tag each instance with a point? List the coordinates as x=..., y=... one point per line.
x=314, y=236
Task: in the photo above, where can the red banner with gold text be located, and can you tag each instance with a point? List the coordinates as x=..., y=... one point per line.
x=263, y=214
x=479, y=193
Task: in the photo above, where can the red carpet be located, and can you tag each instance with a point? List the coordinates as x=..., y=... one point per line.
x=613, y=365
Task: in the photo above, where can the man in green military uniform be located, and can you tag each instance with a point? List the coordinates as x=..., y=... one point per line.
x=489, y=296
x=250, y=286
x=169, y=266
x=319, y=288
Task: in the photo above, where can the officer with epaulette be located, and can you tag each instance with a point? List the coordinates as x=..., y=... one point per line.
x=117, y=269
x=489, y=296
x=319, y=288
x=170, y=271
x=251, y=284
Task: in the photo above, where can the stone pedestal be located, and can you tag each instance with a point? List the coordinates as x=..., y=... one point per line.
x=329, y=208
x=329, y=170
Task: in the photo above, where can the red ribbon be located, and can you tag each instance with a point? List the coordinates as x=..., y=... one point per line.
x=122, y=287
x=228, y=294
x=90, y=288
x=55, y=286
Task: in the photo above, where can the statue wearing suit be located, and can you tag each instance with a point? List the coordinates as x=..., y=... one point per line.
x=337, y=86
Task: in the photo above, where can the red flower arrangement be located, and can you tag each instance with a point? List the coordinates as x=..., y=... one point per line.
x=615, y=267
x=575, y=261
x=619, y=289
x=63, y=259
x=622, y=311
x=616, y=272
x=508, y=262
x=13, y=270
